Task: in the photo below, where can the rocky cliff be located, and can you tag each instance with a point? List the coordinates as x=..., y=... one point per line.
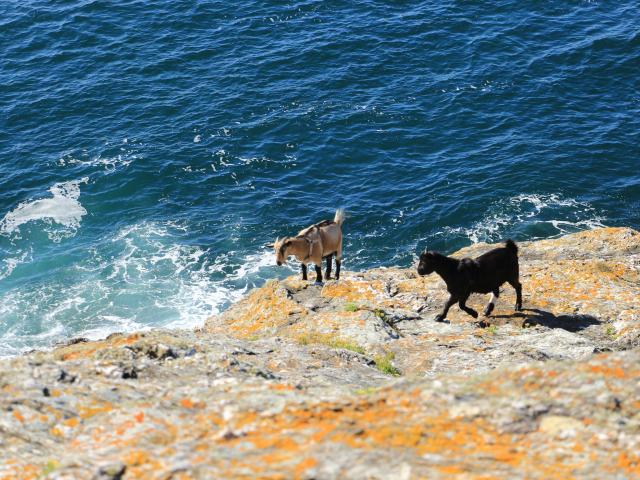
x=355, y=380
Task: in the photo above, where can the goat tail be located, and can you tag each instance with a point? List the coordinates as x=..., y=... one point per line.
x=340, y=216
x=511, y=245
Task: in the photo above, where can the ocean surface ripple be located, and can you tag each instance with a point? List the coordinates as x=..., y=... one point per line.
x=149, y=151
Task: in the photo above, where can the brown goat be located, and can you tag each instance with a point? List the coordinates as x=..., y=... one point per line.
x=312, y=244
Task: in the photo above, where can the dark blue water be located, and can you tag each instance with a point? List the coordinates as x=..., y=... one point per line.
x=148, y=151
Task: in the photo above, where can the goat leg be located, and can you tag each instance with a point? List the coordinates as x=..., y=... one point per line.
x=327, y=272
x=469, y=310
x=318, y=274
x=304, y=272
x=338, y=263
x=518, y=287
x=452, y=299
x=489, y=308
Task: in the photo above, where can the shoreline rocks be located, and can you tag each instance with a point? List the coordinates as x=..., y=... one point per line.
x=355, y=380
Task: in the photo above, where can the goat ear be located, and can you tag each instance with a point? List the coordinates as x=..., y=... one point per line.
x=271, y=245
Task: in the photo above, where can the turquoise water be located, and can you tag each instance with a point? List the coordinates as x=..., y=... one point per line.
x=148, y=152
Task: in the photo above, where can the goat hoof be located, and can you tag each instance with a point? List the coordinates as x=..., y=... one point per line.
x=483, y=324
x=439, y=319
x=518, y=308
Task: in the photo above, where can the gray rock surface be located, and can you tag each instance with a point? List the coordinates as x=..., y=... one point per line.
x=354, y=380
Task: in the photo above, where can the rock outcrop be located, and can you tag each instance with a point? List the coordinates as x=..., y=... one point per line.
x=355, y=380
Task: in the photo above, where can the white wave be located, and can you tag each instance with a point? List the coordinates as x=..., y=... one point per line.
x=12, y=262
x=62, y=208
x=144, y=276
x=63, y=308
x=563, y=215
x=108, y=324
x=199, y=296
x=253, y=263
x=183, y=283
x=19, y=337
x=110, y=162
x=567, y=227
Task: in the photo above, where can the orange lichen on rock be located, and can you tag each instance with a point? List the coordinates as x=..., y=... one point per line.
x=265, y=309
x=89, y=349
x=18, y=416
x=320, y=324
x=279, y=387
x=136, y=457
x=287, y=383
x=88, y=411
x=20, y=471
x=630, y=463
x=351, y=290
x=610, y=371
x=303, y=466
x=71, y=422
x=393, y=424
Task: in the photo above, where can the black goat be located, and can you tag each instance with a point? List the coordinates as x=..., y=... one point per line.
x=485, y=274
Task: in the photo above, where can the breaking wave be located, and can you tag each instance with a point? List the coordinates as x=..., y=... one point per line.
x=533, y=215
x=142, y=277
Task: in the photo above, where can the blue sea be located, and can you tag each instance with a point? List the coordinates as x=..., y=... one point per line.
x=149, y=150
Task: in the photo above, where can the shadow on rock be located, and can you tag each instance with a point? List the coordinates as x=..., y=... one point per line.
x=534, y=316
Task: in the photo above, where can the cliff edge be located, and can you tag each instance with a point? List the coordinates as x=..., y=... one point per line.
x=354, y=379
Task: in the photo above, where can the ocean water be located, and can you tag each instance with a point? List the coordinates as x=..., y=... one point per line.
x=149, y=150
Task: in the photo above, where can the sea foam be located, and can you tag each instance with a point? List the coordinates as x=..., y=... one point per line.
x=552, y=214
x=145, y=275
x=62, y=208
